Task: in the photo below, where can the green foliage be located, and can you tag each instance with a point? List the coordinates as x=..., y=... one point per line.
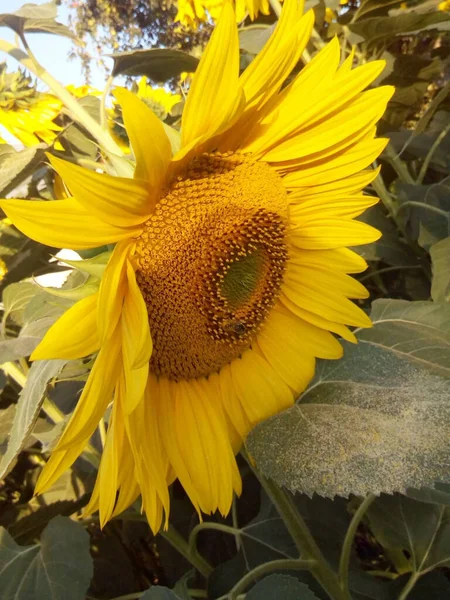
x=59, y=567
x=274, y=587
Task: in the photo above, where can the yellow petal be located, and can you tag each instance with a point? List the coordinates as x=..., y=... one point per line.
x=324, y=279
x=115, y=200
x=231, y=402
x=214, y=86
x=332, y=233
x=74, y=334
x=336, y=259
x=62, y=223
x=348, y=185
x=348, y=207
x=151, y=146
x=341, y=165
x=259, y=388
x=332, y=305
x=113, y=288
x=318, y=320
x=293, y=362
x=96, y=396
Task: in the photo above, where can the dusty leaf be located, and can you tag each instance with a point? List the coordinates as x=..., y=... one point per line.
x=376, y=421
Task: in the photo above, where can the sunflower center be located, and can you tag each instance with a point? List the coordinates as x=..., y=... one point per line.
x=211, y=262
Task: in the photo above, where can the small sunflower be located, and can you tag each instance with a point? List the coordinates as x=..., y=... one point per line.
x=230, y=271
x=158, y=99
x=192, y=12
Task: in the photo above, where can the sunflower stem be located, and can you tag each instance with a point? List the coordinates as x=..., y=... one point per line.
x=176, y=540
x=284, y=564
x=276, y=7
x=348, y=543
x=400, y=167
x=77, y=112
x=306, y=545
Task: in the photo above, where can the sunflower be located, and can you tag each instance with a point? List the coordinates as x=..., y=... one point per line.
x=192, y=12
x=229, y=274
x=158, y=99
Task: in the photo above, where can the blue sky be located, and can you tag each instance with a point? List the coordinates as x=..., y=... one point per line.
x=51, y=51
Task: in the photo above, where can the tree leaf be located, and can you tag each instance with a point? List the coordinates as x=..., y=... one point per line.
x=28, y=407
x=374, y=421
x=377, y=28
x=404, y=524
x=278, y=586
x=440, y=260
x=60, y=567
x=160, y=64
x=35, y=18
x=16, y=166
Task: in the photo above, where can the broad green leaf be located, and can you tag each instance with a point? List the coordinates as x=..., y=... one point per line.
x=422, y=530
x=368, y=6
x=6, y=419
x=59, y=567
x=16, y=348
x=159, y=592
x=275, y=587
x=376, y=421
x=253, y=38
x=160, y=64
x=28, y=407
x=35, y=18
x=389, y=247
x=16, y=166
x=440, y=260
x=75, y=139
x=93, y=266
x=377, y=28
x=265, y=538
x=15, y=298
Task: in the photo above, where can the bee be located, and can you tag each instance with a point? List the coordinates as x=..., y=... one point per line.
x=235, y=326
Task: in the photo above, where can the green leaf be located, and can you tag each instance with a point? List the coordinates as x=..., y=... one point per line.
x=60, y=567
x=265, y=538
x=422, y=530
x=160, y=64
x=427, y=208
x=275, y=587
x=6, y=419
x=377, y=28
x=159, y=592
x=15, y=298
x=389, y=247
x=28, y=407
x=75, y=138
x=368, y=6
x=35, y=18
x=93, y=266
x=253, y=37
x=376, y=421
x=440, y=260
x=15, y=166
x=16, y=348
